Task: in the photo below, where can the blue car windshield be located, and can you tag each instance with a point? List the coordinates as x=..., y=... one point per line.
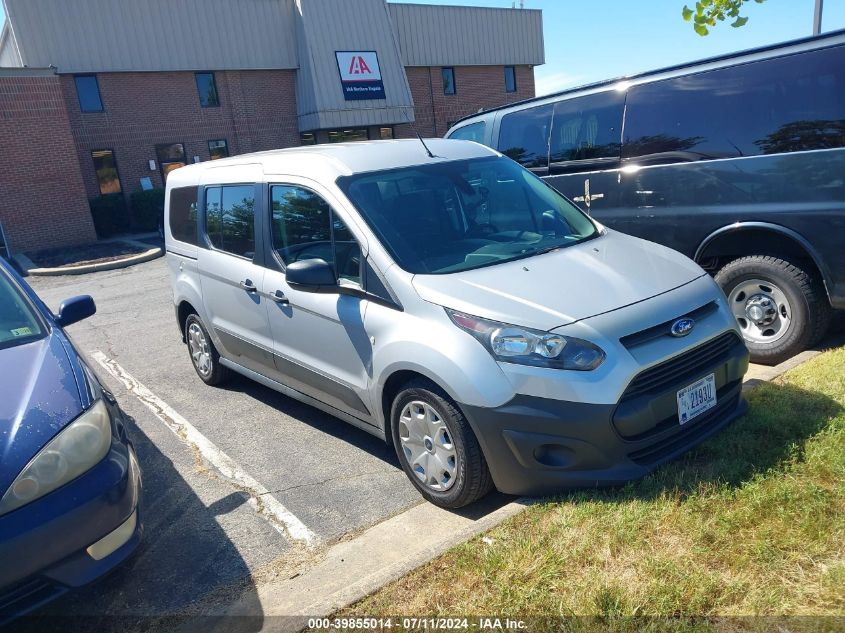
x=18, y=322
x=447, y=217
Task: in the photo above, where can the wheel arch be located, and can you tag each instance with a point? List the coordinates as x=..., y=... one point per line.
x=183, y=310
x=762, y=238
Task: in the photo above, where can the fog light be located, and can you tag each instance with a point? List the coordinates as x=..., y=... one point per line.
x=113, y=540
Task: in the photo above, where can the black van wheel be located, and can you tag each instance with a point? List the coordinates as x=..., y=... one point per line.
x=780, y=307
x=436, y=446
x=204, y=356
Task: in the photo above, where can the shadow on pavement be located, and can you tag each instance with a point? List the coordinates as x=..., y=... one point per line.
x=184, y=555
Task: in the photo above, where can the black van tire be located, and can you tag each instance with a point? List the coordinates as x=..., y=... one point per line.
x=472, y=480
x=811, y=311
x=218, y=373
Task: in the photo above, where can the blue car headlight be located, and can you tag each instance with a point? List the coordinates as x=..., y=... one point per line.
x=76, y=449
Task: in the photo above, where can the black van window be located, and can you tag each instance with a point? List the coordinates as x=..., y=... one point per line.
x=524, y=136
x=230, y=219
x=779, y=105
x=183, y=214
x=587, y=127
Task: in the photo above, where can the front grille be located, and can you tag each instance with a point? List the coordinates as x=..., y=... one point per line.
x=25, y=596
x=664, y=329
x=683, y=366
x=689, y=434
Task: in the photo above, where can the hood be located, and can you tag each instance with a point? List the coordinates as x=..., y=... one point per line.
x=574, y=283
x=39, y=396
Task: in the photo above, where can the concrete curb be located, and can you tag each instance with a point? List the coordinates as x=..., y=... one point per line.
x=29, y=266
x=350, y=570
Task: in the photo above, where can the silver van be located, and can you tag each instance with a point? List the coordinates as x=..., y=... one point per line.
x=446, y=299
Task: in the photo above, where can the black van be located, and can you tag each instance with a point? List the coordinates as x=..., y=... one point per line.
x=736, y=161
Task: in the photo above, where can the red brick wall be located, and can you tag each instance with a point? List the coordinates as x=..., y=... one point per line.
x=140, y=110
x=42, y=198
x=475, y=87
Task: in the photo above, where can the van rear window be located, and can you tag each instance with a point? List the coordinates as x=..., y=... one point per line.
x=183, y=214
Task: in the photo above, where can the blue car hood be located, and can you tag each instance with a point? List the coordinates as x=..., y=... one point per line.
x=39, y=396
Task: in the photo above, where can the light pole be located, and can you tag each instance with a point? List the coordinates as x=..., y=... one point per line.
x=817, y=18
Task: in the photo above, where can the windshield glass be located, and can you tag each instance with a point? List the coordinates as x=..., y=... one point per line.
x=460, y=215
x=18, y=323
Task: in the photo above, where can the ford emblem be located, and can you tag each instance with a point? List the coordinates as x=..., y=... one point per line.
x=682, y=327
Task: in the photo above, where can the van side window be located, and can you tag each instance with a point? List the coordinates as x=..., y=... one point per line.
x=524, y=136
x=305, y=227
x=471, y=132
x=183, y=214
x=786, y=104
x=587, y=128
x=230, y=219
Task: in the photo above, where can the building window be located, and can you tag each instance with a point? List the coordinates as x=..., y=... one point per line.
x=218, y=149
x=170, y=156
x=448, y=80
x=106, y=169
x=207, y=89
x=510, y=79
x=307, y=138
x=385, y=132
x=88, y=91
x=346, y=136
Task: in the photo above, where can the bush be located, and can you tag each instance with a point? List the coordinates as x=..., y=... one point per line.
x=147, y=209
x=110, y=214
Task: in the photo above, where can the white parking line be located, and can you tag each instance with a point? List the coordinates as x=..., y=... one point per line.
x=265, y=504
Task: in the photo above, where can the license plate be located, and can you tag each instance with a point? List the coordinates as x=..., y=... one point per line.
x=696, y=398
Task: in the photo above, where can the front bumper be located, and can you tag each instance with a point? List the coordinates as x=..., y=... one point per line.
x=537, y=446
x=44, y=545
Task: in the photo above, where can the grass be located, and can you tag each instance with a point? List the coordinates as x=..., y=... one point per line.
x=752, y=522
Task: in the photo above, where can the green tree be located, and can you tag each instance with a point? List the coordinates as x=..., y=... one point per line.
x=708, y=12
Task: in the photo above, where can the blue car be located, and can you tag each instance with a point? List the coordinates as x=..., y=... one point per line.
x=69, y=479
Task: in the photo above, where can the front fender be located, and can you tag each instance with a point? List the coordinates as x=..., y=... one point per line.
x=457, y=363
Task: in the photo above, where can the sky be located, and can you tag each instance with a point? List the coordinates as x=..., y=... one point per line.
x=591, y=40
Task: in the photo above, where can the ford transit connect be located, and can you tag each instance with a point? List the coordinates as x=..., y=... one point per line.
x=446, y=299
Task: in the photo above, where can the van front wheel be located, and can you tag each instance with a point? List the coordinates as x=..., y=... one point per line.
x=780, y=307
x=436, y=446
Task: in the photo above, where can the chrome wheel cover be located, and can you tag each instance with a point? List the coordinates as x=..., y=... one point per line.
x=762, y=310
x=200, y=353
x=428, y=446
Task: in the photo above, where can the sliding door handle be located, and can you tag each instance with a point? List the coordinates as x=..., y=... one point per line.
x=247, y=285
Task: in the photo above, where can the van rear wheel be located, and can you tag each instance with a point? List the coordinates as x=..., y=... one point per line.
x=204, y=356
x=436, y=446
x=781, y=308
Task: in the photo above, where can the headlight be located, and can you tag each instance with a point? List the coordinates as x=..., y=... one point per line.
x=76, y=449
x=511, y=344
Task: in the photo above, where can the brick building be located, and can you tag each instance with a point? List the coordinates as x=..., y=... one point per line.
x=144, y=86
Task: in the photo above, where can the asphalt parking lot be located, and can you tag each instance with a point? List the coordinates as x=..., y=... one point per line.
x=209, y=538
x=202, y=536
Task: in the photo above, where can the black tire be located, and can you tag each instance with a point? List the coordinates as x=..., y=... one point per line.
x=811, y=311
x=472, y=479
x=217, y=373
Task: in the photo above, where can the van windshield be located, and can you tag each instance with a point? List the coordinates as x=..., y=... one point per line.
x=459, y=215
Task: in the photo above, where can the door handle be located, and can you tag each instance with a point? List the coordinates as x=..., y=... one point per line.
x=279, y=297
x=247, y=285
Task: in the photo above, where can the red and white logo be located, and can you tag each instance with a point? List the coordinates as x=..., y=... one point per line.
x=358, y=66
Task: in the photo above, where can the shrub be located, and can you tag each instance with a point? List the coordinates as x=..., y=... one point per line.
x=147, y=209
x=110, y=214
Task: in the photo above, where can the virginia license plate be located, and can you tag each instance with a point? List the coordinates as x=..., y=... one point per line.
x=696, y=398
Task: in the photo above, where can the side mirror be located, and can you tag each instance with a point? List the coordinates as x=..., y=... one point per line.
x=311, y=275
x=75, y=309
